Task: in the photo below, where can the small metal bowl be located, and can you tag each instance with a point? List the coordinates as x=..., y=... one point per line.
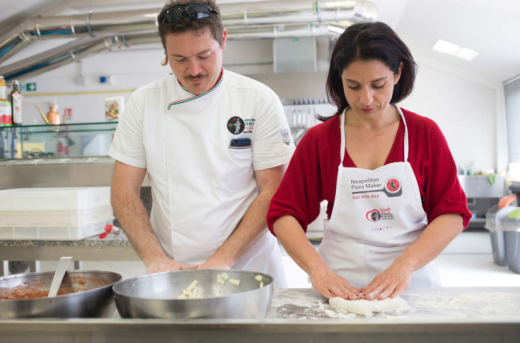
x=155, y=295
x=94, y=297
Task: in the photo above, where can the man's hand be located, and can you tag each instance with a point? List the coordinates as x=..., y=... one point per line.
x=391, y=282
x=166, y=265
x=331, y=285
x=214, y=263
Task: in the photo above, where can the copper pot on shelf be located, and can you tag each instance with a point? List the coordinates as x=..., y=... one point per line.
x=53, y=116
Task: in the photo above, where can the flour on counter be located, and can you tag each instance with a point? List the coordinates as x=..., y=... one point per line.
x=301, y=306
x=288, y=296
x=335, y=313
x=483, y=303
x=426, y=305
x=367, y=308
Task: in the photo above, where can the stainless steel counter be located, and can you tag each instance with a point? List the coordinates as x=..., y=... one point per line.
x=478, y=186
x=302, y=315
x=58, y=172
x=115, y=248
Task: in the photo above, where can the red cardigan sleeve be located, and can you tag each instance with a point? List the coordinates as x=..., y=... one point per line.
x=300, y=191
x=442, y=190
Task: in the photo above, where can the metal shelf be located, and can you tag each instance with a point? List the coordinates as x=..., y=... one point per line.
x=64, y=131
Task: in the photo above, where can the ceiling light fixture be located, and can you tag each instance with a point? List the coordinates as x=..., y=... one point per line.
x=446, y=47
x=467, y=54
x=454, y=50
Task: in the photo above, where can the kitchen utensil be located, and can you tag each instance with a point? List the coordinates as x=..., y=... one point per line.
x=93, y=297
x=43, y=115
x=155, y=295
x=53, y=116
x=58, y=276
x=66, y=141
x=109, y=228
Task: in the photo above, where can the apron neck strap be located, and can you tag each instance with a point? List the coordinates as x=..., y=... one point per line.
x=343, y=135
x=406, y=146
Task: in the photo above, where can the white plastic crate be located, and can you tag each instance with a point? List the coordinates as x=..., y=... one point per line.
x=54, y=199
x=53, y=233
x=55, y=218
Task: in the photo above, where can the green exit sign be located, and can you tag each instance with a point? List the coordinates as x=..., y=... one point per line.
x=29, y=87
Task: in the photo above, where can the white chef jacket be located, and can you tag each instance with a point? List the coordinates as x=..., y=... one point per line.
x=202, y=183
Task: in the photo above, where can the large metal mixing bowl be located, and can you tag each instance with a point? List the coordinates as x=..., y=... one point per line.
x=93, y=300
x=155, y=295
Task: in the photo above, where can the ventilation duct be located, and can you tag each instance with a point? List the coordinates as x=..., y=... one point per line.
x=82, y=48
x=233, y=15
x=55, y=58
x=91, y=25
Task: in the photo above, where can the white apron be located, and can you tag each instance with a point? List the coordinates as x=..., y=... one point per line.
x=210, y=186
x=377, y=214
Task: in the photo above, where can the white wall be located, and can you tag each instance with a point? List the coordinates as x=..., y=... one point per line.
x=465, y=108
x=131, y=70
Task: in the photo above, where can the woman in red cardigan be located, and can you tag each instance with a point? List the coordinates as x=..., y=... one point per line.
x=394, y=200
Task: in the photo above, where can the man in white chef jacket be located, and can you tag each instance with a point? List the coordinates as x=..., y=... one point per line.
x=214, y=145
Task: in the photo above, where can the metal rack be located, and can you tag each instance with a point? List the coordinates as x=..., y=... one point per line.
x=302, y=115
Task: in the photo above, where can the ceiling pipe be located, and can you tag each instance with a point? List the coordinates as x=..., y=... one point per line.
x=80, y=49
x=75, y=26
x=55, y=58
x=282, y=31
x=233, y=15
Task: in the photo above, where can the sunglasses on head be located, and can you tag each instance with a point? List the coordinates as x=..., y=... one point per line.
x=195, y=11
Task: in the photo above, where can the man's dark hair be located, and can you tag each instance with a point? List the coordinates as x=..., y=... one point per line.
x=214, y=23
x=367, y=42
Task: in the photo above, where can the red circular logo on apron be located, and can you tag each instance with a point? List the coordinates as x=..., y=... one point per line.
x=393, y=185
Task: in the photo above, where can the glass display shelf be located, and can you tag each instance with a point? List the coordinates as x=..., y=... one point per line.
x=51, y=141
x=61, y=125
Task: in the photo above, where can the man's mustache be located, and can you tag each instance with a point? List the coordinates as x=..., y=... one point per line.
x=198, y=76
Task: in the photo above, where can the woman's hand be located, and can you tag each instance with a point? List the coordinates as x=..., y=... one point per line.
x=390, y=283
x=331, y=285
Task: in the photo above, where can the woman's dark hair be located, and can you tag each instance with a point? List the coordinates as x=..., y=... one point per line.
x=365, y=42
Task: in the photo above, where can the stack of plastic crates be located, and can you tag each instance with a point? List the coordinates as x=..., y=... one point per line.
x=54, y=213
